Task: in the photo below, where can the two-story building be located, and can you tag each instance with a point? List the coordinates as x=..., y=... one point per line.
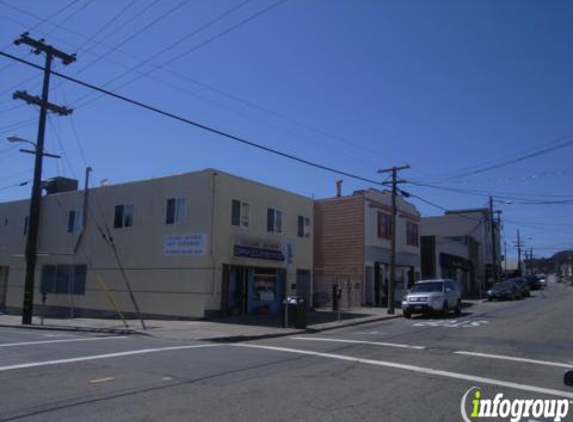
x=188, y=246
x=459, y=245
x=353, y=237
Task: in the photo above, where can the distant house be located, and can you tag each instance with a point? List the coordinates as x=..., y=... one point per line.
x=459, y=245
x=191, y=245
x=352, y=247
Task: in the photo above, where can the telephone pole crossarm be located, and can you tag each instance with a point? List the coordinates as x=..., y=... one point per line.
x=34, y=99
x=40, y=47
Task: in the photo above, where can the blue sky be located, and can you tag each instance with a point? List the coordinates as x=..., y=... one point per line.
x=446, y=86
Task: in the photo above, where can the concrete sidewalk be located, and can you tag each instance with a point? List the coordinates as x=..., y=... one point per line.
x=230, y=329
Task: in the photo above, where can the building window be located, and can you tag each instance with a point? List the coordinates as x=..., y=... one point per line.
x=274, y=221
x=63, y=279
x=384, y=225
x=303, y=226
x=123, y=216
x=241, y=213
x=412, y=234
x=175, y=211
x=74, y=221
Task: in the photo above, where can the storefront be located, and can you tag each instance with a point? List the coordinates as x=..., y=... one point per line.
x=459, y=269
x=257, y=289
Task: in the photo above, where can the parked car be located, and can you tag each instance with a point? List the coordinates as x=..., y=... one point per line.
x=543, y=282
x=523, y=286
x=432, y=296
x=534, y=283
x=506, y=290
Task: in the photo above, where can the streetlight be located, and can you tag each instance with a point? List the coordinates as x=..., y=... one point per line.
x=16, y=139
x=33, y=223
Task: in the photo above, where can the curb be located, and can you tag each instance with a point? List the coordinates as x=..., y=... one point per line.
x=228, y=339
x=239, y=339
x=123, y=331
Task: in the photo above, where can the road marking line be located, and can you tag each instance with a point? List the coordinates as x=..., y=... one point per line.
x=102, y=380
x=31, y=343
x=419, y=369
x=104, y=356
x=525, y=360
x=372, y=343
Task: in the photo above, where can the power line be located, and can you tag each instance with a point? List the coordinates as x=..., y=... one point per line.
x=42, y=21
x=181, y=55
x=107, y=24
x=198, y=125
x=219, y=91
x=553, y=146
x=15, y=185
x=135, y=34
x=513, y=196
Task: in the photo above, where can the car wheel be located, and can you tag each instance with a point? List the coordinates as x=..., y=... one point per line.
x=459, y=307
x=407, y=314
x=445, y=310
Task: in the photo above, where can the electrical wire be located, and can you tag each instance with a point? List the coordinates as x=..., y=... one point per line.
x=559, y=143
x=204, y=127
x=15, y=185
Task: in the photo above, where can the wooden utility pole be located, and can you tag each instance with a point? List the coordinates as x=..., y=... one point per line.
x=494, y=272
x=391, y=285
x=518, y=255
x=36, y=197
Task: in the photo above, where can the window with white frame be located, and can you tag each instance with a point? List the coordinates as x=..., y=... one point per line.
x=175, y=211
x=303, y=226
x=123, y=216
x=274, y=220
x=74, y=221
x=240, y=213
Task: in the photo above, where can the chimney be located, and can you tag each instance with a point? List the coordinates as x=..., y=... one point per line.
x=338, y=188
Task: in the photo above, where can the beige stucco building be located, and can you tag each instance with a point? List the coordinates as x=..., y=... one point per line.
x=198, y=244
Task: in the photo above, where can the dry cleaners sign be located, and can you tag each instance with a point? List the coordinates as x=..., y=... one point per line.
x=257, y=249
x=192, y=244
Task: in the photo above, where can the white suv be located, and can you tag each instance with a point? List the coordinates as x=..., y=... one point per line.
x=432, y=296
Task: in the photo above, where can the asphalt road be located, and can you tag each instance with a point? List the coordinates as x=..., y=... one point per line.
x=397, y=370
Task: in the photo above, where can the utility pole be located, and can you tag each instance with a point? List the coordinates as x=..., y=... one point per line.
x=518, y=254
x=505, y=257
x=531, y=269
x=494, y=273
x=36, y=197
x=394, y=170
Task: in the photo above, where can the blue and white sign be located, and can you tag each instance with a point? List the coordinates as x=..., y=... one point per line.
x=192, y=244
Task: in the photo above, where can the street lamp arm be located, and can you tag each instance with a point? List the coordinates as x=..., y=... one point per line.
x=17, y=139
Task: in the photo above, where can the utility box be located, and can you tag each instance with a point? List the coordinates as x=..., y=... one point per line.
x=60, y=184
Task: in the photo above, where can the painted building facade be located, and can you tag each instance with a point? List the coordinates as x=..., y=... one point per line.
x=353, y=247
x=193, y=245
x=462, y=240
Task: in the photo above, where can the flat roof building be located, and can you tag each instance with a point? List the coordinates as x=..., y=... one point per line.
x=192, y=245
